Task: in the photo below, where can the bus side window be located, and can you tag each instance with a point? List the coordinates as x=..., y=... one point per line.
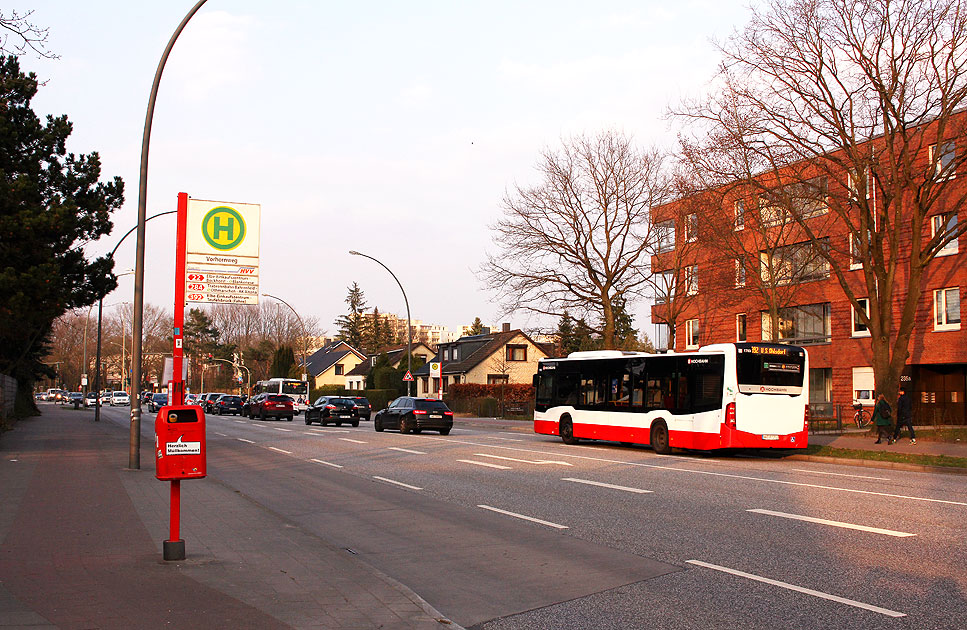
x=661, y=383
x=567, y=389
x=638, y=384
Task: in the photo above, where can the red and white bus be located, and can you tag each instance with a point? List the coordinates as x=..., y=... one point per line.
x=736, y=395
x=298, y=390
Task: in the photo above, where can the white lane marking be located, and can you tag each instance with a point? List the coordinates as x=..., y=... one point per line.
x=524, y=461
x=332, y=430
x=280, y=450
x=319, y=461
x=800, y=589
x=698, y=472
x=398, y=483
x=241, y=421
x=517, y=433
x=221, y=434
x=281, y=429
x=244, y=440
x=406, y=450
x=820, y=472
x=494, y=437
x=487, y=464
x=822, y=521
x=521, y=516
x=608, y=485
x=353, y=441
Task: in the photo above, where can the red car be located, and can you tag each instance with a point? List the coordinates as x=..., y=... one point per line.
x=271, y=406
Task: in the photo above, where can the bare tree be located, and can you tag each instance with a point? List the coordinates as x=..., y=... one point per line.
x=18, y=35
x=865, y=97
x=577, y=241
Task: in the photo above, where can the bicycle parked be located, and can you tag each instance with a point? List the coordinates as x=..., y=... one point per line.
x=862, y=417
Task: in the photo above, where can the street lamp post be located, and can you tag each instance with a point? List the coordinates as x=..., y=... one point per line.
x=305, y=336
x=409, y=328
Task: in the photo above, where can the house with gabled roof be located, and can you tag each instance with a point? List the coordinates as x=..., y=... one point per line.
x=356, y=379
x=330, y=364
x=509, y=356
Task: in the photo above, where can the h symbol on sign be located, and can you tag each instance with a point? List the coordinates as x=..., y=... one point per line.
x=218, y=228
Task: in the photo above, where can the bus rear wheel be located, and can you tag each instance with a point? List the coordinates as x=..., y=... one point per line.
x=659, y=438
x=566, y=431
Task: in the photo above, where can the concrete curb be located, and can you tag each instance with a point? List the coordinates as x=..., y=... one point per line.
x=873, y=463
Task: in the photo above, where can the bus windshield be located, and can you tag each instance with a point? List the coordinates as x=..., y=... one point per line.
x=769, y=369
x=295, y=388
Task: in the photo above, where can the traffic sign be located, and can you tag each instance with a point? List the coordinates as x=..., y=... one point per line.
x=408, y=376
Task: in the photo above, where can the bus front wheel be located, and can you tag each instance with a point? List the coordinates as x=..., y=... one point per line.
x=566, y=431
x=659, y=438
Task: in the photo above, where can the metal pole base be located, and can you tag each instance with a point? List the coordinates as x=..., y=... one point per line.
x=174, y=550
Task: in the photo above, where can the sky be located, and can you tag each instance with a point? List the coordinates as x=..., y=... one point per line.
x=390, y=128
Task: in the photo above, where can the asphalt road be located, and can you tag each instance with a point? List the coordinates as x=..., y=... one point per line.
x=504, y=529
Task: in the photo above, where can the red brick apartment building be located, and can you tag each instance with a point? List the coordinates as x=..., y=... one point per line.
x=726, y=237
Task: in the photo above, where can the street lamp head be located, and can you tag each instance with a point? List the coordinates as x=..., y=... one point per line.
x=353, y=252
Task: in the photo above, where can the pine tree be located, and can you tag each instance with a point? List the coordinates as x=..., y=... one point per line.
x=51, y=206
x=352, y=325
x=476, y=327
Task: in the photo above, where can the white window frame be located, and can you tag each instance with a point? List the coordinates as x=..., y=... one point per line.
x=851, y=183
x=941, y=319
x=739, y=208
x=943, y=167
x=692, y=332
x=741, y=327
x=942, y=222
x=691, y=228
x=739, y=273
x=854, y=331
x=666, y=236
x=691, y=280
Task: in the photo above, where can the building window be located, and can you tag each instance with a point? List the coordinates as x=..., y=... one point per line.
x=664, y=287
x=856, y=257
x=739, y=215
x=942, y=156
x=946, y=309
x=516, y=353
x=446, y=354
x=739, y=274
x=665, y=231
x=792, y=264
x=852, y=183
x=945, y=224
x=339, y=369
x=804, y=324
x=741, y=327
x=691, y=280
x=455, y=354
x=691, y=228
x=771, y=212
x=498, y=379
x=691, y=334
x=859, y=328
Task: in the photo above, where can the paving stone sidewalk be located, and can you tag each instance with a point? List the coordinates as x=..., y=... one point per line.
x=80, y=547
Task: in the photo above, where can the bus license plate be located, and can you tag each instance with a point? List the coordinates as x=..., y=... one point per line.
x=770, y=437
x=436, y=417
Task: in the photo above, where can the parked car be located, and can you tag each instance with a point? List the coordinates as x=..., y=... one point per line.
x=227, y=403
x=408, y=413
x=207, y=400
x=191, y=399
x=272, y=406
x=363, y=408
x=75, y=398
x=119, y=398
x=106, y=397
x=157, y=401
x=90, y=399
x=336, y=409
x=249, y=403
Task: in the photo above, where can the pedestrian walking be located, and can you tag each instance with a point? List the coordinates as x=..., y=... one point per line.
x=882, y=419
x=904, y=416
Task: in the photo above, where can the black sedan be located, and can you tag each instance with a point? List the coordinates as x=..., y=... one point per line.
x=227, y=403
x=336, y=409
x=407, y=413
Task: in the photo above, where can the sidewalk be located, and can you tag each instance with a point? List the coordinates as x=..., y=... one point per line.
x=80, y=547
